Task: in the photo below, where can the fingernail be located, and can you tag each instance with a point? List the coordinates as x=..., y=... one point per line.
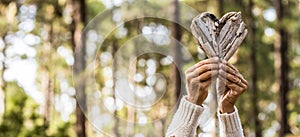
x=221, y=65
x=220, y=70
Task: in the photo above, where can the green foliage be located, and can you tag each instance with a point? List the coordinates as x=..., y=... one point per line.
x=23, y=117
x=94, y=8
x=13, y=118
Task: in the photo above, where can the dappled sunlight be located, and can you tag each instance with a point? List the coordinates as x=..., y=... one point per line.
x=270, y=14
x=117, y=67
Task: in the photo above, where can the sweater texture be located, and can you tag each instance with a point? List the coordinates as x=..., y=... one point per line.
x=185, y=121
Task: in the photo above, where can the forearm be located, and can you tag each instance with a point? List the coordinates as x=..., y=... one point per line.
x=230, y=124
x=185, y=120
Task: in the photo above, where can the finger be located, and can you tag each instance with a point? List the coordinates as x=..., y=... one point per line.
x=222, y=89
x=201, y=69
x=231, y=98
x=221, y=94
x=230, y=84
x=234, y=73
x=206, y=67
x=232, y=69
x=214, y=60
x=229, y=65
x=204, y=77
x=236, y=89
x=228, y=69
x=233, y=79
x=202, y=85
x=208, y=75
x=205, y=84
x=222, y=81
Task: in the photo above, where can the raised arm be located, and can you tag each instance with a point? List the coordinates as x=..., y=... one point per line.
x=230, y=125
x=198, y=78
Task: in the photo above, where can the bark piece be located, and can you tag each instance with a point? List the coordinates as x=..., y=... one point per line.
x=219, y=37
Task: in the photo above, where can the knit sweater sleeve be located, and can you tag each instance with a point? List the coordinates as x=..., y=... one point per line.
x=185, y=120
x=230, y=124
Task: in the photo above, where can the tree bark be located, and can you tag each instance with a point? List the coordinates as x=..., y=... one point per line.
x=220, y=8
x=78, y=41
x=117, y=121
x=46, y=82
x=2, y=86
x=47, y=86
x=282, y=67
x=176, y=51
x=253, y=67
x=2, y=94
x=12, y=10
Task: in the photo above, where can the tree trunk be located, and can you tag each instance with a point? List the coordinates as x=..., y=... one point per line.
x=78, y=41
x=117, y=121
x=2, y=95
x=11, y=9
x=253, y=67
x=2, y=85
x=282, y=67
x=47, y=86
x=46, y=82
x=176, y=51
x=220, y=8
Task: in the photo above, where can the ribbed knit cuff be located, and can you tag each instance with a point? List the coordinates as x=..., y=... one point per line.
x=186, y=115
x=230, y=124
x=188, y=111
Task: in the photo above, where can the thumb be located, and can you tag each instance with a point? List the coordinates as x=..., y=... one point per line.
x=231, y=97
x=221, y=89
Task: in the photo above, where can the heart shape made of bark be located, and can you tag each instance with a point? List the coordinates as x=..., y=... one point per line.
x=216, y=37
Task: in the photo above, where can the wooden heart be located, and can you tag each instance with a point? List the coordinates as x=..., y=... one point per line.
x=216, y=37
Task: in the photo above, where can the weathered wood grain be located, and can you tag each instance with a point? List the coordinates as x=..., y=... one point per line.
x=219, y=37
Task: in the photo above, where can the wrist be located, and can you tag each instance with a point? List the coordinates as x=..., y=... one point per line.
x=226, y=109
x=194, y=100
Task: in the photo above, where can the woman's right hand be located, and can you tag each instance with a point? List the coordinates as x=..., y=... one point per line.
x=199, y=77
x=235, y=83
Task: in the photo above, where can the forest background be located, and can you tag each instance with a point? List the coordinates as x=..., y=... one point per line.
x=42, y=62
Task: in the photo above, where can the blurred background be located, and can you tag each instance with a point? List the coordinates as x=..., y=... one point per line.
x=38, y=42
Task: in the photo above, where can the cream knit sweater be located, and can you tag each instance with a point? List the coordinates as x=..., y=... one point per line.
x=185, y=121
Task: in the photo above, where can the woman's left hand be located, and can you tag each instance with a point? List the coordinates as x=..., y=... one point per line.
x=235, y=86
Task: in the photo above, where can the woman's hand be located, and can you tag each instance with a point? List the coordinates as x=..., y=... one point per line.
x=235, y=86
x=199, y=77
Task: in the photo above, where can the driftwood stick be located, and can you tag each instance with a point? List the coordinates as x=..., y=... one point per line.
x=224, y=30
x=203, y=29
x=235, y=45
x=208, y=49
x=219, y=37
x=237, y=40
x=198, y=34
x=230, y=35
x=212, y=29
